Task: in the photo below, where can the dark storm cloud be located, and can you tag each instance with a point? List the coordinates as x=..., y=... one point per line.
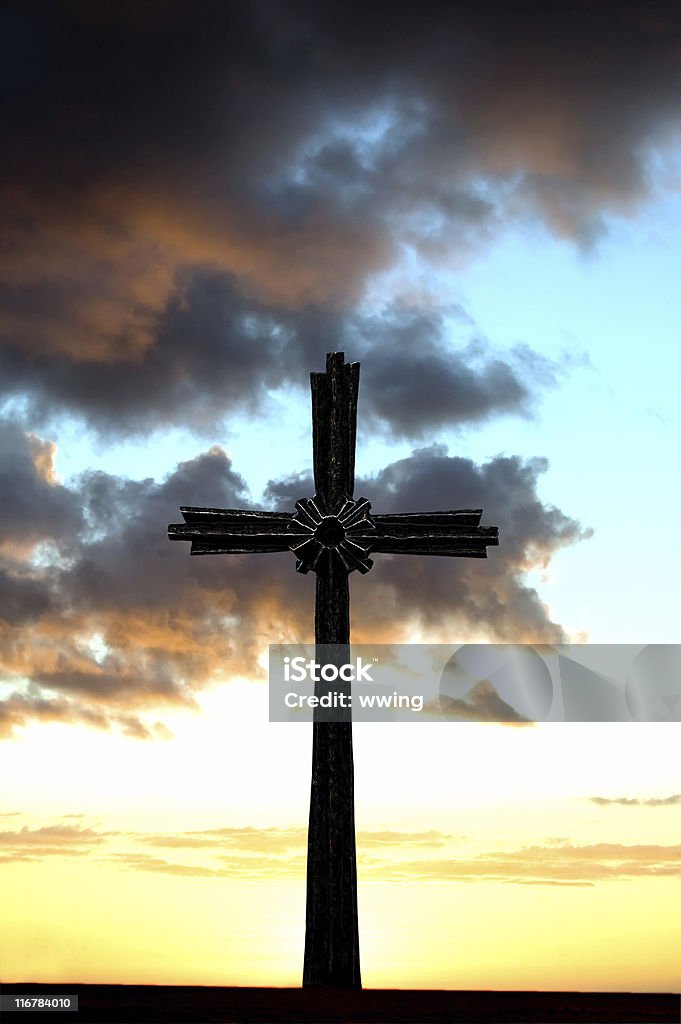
x=33, y=508
x=216, y=352
x=212, y=352
x=283, y=494
x=169, y=174
x=128, y=622
x=414, y=382
x=21, y=600
x=450, y=594
x=563, y=97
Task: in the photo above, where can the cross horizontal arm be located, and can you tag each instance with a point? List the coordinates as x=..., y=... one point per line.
x=455, y=534
x=191, y=514
x=233, y=531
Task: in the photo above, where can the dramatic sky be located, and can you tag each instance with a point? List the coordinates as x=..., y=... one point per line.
x=481, y=202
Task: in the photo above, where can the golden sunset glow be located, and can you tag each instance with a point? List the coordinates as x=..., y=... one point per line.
x=196, y=848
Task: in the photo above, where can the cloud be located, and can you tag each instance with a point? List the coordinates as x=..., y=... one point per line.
x=316, y=116
x=34, y=507
x=451, y=598
x=415, y=381
x=554, y=864
x=281, y=840
x=123, y=621
x=213, y=351
x=624, y=801
x=124, y=624
x=22, y=709
x=143, y=862
x=251, y=840
x=483, y=704
x=399, y=838
x=60, y=840
x=383, y=855
x=208, y=350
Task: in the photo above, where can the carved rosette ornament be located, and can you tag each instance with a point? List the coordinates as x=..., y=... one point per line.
x=342, y=535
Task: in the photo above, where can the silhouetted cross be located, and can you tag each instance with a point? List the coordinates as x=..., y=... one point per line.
x=333, y=534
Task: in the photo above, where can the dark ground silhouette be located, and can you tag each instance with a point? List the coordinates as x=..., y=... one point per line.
x=195, y=1005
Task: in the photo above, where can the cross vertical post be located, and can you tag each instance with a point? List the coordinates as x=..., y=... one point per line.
x=333, y=534
x=331, y=923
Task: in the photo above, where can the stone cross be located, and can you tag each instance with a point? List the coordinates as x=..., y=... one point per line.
x=333, y=534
